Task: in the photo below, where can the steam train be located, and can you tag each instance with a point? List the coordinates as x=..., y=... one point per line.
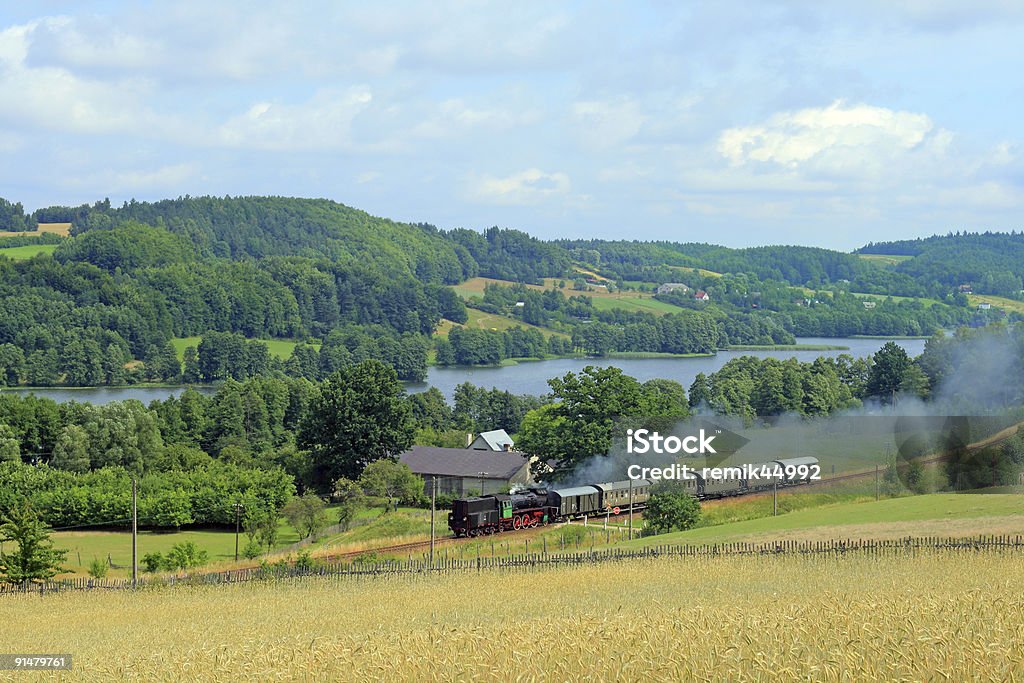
x=536, y=506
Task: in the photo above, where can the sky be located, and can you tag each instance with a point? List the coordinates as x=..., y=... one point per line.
x=739, y=123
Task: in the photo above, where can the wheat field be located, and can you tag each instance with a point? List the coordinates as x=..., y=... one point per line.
x=940, y=615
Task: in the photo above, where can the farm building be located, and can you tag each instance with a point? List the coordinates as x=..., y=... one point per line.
x=495, y=440
x=672, y=287
x=461, y=470
x=701, y=295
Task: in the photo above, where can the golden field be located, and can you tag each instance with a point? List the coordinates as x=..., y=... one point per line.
x=939, y=615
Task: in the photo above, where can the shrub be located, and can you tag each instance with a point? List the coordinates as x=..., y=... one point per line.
x=97, y=568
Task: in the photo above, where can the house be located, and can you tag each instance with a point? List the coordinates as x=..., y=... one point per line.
x=701, y=295
x=672, y=287
x=966, y=289
x=869, y=304
x=495, y=440
x=984, y=306
x=459, y=471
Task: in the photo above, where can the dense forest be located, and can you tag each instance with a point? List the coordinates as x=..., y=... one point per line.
x=989, y=262
x=106, y=305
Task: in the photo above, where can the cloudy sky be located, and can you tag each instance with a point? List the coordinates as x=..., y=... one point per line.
x=824, y=123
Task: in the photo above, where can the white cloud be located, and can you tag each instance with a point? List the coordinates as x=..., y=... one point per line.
x=532, y=186
x=838, y=140
x=57, y=99
x=324, y=122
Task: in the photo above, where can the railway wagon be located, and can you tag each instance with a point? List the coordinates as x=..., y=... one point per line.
x=797, y=470
x=616, y=494
x=575, y=502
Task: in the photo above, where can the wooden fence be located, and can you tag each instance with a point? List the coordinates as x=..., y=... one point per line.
x=528, y=561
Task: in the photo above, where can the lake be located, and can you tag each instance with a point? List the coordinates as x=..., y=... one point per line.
x=531, y=377
x=528, y=377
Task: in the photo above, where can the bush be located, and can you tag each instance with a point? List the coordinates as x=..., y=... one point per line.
x=305, y=562
x=98, y=568
x=671, y=508
x=252, y=549
x=152, y=562
x=183, y=556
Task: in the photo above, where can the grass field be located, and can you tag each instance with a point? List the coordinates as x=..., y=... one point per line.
x=1009, y=305
x=885, y=259
x=883, y=297
x=279, y=348
x=602, y=299
x=936, y=615
x=27, y=252
x=936, y=514
x=62, y=229
x=491, y=321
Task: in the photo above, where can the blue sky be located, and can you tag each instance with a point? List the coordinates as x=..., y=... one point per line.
x=738, y=123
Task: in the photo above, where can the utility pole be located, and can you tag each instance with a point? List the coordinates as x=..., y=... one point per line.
x=876, y=482
x=631, y=509
x=135, y=532
x=775, y=498
x=238, y=520
x=433, y=503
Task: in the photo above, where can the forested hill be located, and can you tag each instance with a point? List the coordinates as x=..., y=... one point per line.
x=242, y=228
x=991, y=262
x=108, y=304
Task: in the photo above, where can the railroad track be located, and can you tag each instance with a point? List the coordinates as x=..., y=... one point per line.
x=850, y=476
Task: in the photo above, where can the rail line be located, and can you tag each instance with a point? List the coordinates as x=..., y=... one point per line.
x=850, y=476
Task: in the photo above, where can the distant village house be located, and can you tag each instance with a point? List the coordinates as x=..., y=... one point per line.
x=672, y=287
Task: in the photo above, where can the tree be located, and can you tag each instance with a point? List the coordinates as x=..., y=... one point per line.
x=581, y=424
x=890, y=370
x=10, y=446
x=72, y=450
x=391, y=480
x=671, y=508
x=35, y=559
x=350, y=498
x=700, y=391
x=307, y=514
x=359, y=415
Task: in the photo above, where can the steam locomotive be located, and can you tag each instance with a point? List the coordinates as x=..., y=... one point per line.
x=536, y=506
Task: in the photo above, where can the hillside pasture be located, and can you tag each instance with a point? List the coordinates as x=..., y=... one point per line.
x=885, y=259
x=491, y=321
x=861, y=517
x=601, y=298
x=1008, y=305
x=279, y=348
x=26, y=252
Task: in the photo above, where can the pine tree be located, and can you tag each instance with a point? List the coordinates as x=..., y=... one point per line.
x=35, y=559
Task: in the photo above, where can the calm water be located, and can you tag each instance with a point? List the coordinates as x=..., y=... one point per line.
x=531, y=377
x=527, y=378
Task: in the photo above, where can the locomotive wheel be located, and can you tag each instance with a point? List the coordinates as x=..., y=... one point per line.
x=517, y=523
x=533, y=522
